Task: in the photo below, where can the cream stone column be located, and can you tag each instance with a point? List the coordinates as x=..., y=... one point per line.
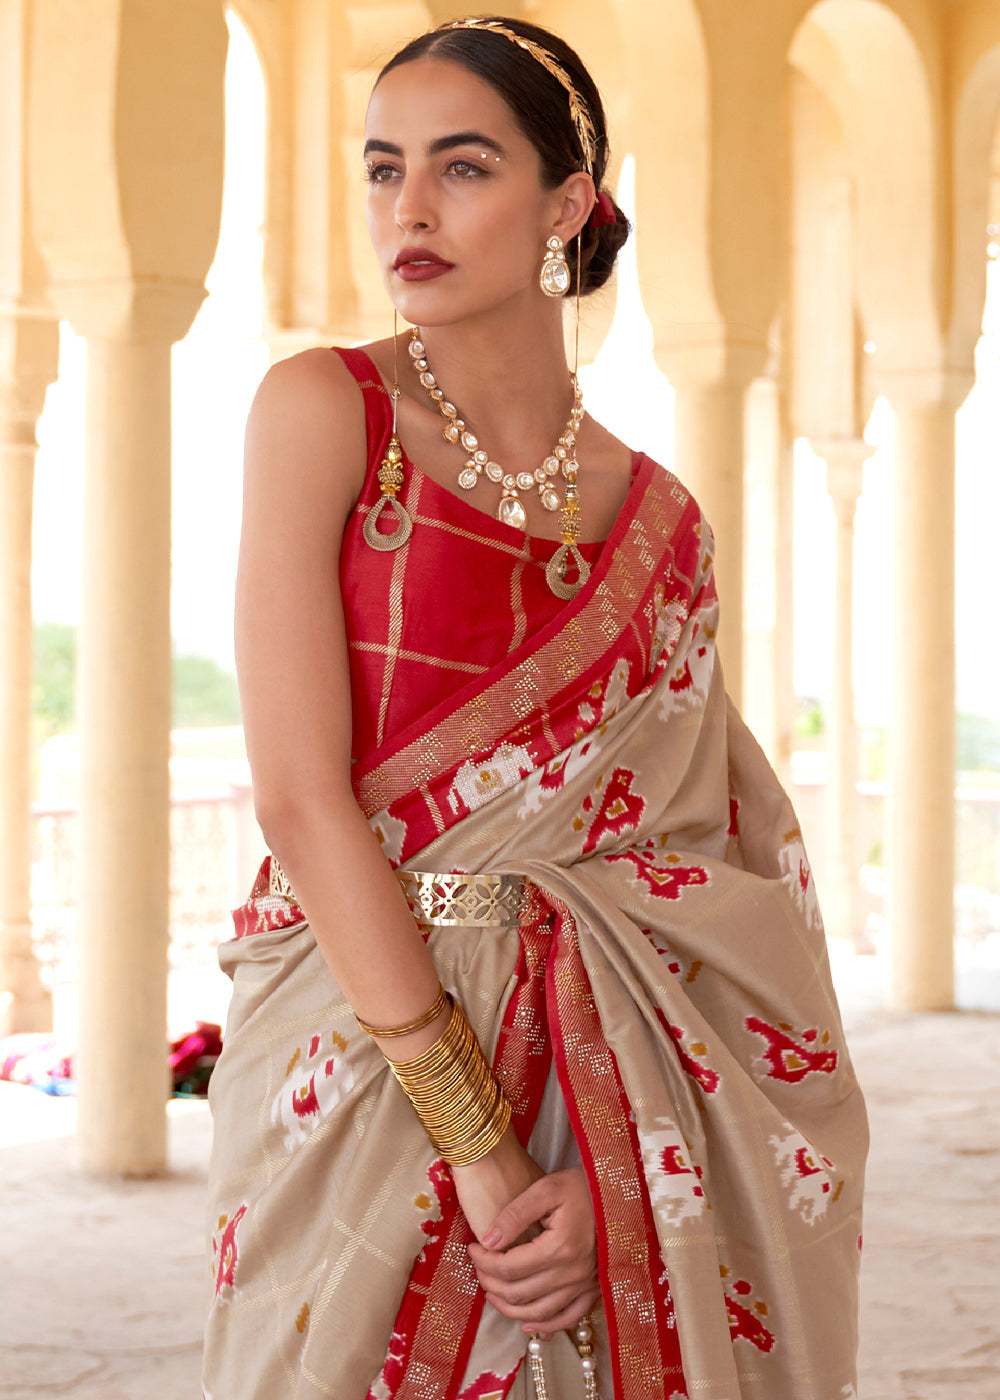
x=768, y=574
x=127, y=169
x=29, y=361
x=323, y=285
x=709, y=208
x=123, y=707
x=845, y=459
x=709, y=457
x=922, y=736
x=29, y=351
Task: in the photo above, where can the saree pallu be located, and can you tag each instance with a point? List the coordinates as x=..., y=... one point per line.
x=666, y=997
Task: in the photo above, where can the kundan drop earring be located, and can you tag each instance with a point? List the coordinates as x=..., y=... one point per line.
x=568, y=552
x=554, y=275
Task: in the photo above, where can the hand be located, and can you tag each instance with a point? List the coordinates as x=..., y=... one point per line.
x=485, y=1187
x=549, y=1282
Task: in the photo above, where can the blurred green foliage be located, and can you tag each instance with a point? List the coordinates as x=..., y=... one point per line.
x=54, y=679
x=809, y=722
x=204, y=693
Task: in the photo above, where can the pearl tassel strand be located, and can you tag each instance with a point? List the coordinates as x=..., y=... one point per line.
x=583, y=1337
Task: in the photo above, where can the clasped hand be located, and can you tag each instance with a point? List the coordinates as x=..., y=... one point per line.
x=537, y=1257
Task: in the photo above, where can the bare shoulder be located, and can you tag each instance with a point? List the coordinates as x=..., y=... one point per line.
x=307, y=427
x=316, y=377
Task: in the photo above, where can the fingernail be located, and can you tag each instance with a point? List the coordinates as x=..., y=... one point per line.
x=492, y=1238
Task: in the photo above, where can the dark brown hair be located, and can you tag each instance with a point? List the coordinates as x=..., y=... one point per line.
x=540, y=106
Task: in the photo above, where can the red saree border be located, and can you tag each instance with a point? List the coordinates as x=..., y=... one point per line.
x=657, y=544
x=438, y=1318
x=263, y=911
x=635, y=1286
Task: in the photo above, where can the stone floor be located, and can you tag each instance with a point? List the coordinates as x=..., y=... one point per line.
x=102, y=1281
x=930, y=1296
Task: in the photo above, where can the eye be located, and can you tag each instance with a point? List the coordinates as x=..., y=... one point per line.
x=377, y=172
x=465, y=169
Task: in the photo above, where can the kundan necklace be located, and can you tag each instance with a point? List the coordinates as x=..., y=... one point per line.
x=510, y=510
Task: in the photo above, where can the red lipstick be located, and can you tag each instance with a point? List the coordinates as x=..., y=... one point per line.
x=420, y=265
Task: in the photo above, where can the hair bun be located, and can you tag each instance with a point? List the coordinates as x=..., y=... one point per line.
x=602, y=241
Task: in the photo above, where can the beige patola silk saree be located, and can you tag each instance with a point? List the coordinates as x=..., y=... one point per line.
x=668, y=981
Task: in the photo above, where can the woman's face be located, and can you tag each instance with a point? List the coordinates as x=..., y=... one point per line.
x=457, y=213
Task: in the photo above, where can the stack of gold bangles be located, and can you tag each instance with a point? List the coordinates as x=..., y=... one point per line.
x=454, y=1092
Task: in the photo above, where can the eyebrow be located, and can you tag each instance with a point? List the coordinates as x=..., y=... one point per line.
x=443, y=143
x=465, y=138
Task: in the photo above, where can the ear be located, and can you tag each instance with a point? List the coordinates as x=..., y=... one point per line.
x=574, y=199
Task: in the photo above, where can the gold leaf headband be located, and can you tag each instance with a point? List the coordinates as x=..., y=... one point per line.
x=578, y=109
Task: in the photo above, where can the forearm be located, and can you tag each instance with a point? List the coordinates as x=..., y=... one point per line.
x=359, y=916
x=369, y=938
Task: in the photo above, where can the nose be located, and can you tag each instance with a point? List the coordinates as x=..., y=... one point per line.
x=414, y=205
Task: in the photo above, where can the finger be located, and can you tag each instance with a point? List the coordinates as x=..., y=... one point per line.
x=542, y=1310
x=569, y=1317
x=529, y=1293
x=577, y=1273
x=521, y=1290
x=520, y=1261
x=556, y=1247
x=529, y=1208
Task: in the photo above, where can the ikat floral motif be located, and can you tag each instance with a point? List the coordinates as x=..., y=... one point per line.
x=665, y=876
x=674, y=1181
x=747, y=1313
x=225, y=1252
x=792, y=1056
x=810, y=1178
x=318, y=1077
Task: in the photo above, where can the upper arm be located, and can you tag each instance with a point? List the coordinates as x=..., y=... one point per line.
x=304, y=467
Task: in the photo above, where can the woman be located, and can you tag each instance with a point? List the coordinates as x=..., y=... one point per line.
x=496, y=768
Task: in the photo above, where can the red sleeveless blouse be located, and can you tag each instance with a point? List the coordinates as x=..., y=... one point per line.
x=427, y=620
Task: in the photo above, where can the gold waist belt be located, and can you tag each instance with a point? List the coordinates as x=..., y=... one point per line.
x=463, y=901
x=446, y=901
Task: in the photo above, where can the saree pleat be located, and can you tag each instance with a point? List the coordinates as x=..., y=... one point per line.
x=663, y=1014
